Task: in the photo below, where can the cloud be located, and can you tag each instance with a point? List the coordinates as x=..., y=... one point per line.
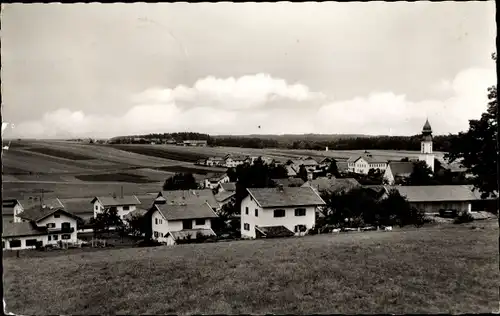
x=239, y=106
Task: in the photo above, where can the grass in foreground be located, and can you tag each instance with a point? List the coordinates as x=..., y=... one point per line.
x=432, y=270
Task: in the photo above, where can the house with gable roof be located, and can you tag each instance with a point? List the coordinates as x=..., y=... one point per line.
x=123, y=204
x=363, y=163
x=41, y=225
x=171, y=222
x=281, y=211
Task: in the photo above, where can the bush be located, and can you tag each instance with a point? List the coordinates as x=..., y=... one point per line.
x=313, y=231
x=465, y=217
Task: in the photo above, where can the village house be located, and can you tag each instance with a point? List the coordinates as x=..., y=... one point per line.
x=309, y=163
x=214, y=161
x=433, y=198
x=232, y=161
x=363, y=163
x=268, y=210
x=171, y=222
x=41, y=225
x=188, y=197
x=215, y=181
x=123, y=204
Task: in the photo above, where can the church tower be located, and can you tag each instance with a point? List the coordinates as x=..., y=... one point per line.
x=426, y=146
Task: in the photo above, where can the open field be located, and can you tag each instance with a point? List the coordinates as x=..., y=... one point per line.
x=451, y=269
x=74, y=189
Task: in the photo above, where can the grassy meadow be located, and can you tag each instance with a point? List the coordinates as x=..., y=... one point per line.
x=450, y=269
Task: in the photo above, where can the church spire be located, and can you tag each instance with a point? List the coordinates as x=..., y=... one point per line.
x=427, y=127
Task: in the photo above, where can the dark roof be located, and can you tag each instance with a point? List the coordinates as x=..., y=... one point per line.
x=289, y=182
x=186, y=211
x=37, y=213
x=146, y=201
x=192, y=232
x=224, y=195
x=342, y=166
x=190, y=197
x=401, y=168
x=50, y=203
x=286, y=196
x=21, y=229
x=230, y=186
x=137, y=212
x=437, y=193
x=77, y=205
x=274, y=231
x=427, y=126
x=117, y=201
x=333, y=184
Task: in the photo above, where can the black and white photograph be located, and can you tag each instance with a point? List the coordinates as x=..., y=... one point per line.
x=250, y=158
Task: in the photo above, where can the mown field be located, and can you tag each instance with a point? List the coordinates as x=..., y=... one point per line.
x=451, y=269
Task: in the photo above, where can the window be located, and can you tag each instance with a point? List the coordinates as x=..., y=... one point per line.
x=200, y=221
x=126, y=208
x=300, y=212
x=161, y=234
x=97, y=207
x=50, y=238
x=187, y=224
x=51, y=225
x=256, y=212
x=156, y=221
x=15, y=243
x=156, y=234
x=57, y=215
x=66, y=226
x=30, y=242
x=279, y=213
x=300, y=228
x=66, y=236
x=55, y=237
x=246, y=210
x=246, y=226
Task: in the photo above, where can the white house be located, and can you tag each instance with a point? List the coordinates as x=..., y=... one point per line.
x=190, y=219
x=42, y=225
x=10, y=209
x=363, y=163
x=232, y=161
x=123, y=204
x=214, y=161
x=292, y=208
x=214, y=182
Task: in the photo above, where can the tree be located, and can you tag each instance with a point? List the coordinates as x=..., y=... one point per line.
x=421, y=175
x=180, y=181
x=106, y=219
x=136, y=225
x=302, y=173
x=477, y=148
x=333, y=169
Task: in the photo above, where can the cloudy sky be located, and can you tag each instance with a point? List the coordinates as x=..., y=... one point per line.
x=103, y=70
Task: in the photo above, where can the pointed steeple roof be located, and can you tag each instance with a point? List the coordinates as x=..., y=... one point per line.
x=427, y=126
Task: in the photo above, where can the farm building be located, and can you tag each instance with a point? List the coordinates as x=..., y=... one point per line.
x=79, y=206
x=123, y=204
x=310, y=164
x=172, y=221
x=195, y=143
x=41, y=226
x=433, y=198
x=227, y=187
x=293, y=209
x=214, y=161
x=187, y=197
x=363, y=163
x=332, y=184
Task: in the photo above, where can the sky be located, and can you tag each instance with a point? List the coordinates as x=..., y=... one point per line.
x=377, y=68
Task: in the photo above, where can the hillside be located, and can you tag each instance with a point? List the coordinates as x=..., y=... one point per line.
x=450, y=269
